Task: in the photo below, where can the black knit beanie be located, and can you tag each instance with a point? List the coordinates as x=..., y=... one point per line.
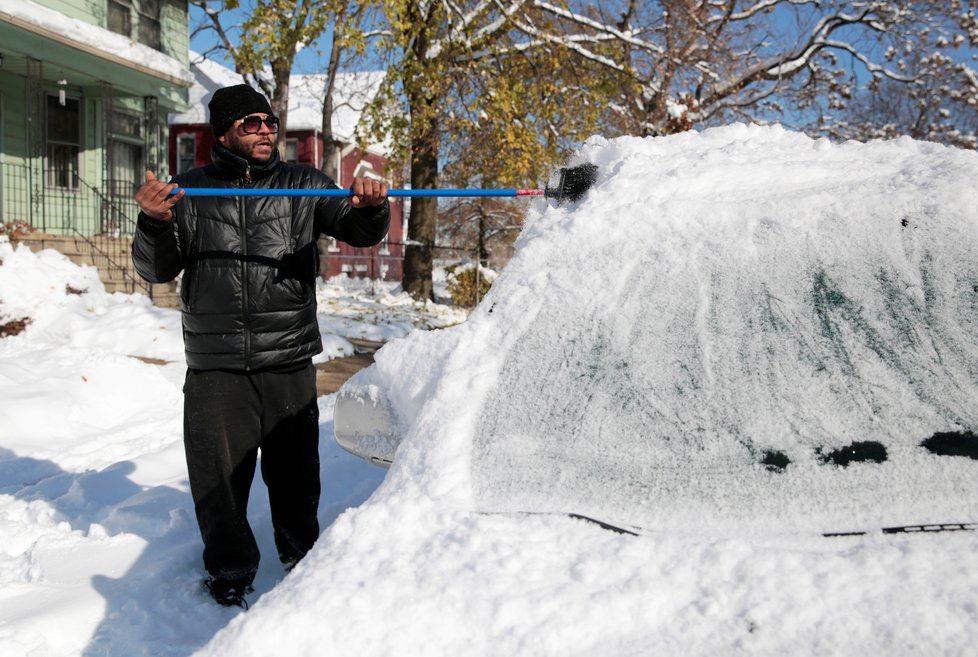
x=231, y=103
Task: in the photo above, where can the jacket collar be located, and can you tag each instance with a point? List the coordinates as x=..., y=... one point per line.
x=232, y=166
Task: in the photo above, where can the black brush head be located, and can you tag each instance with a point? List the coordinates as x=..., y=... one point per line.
x=571, y=183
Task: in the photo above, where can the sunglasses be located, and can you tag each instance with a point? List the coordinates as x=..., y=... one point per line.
x=252, y=124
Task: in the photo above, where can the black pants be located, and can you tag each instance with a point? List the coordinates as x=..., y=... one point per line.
x=228, y=416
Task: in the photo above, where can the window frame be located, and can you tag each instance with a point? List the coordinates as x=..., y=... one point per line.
x=183, y=138
x=124, y=7
x=127, y=139
x=52, y=177
x=150, y=14
x=290, y=143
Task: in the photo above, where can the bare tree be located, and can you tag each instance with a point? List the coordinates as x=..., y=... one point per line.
x=480, y=226
x=682, y=63
x=938, y=102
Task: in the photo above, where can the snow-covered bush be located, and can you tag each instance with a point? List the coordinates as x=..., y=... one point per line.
x=468, y=284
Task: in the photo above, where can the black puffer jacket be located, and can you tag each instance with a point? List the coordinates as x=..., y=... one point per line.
x=250, y=263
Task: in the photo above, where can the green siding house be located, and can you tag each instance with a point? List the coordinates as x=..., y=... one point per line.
x=85, y=89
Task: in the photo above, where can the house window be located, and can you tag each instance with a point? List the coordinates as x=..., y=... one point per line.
x=127, y=161
x=186, y=152
x=119, y=16
x=149, y=23
x=119, y=19
x=331, y=245
x=292, y=150
x=63, y=142
x=127, y=125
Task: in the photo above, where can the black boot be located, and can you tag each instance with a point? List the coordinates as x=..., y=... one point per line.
x=229, y=592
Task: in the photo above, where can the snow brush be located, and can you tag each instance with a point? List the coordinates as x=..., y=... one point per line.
x=566, y=184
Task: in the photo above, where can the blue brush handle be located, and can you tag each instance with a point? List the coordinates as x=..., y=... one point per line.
x=346, y=193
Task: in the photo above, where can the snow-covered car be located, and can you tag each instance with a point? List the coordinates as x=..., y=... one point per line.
x=745, y=330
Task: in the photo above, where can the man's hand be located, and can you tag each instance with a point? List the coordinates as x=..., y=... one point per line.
x=154, y=198
x=368, y=192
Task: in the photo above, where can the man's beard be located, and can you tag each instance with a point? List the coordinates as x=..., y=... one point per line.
x=237, y=146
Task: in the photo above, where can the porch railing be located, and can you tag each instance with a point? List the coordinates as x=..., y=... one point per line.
x=62, y=204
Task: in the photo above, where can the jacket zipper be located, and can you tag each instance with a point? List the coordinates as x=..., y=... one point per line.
x=244, y=271
x=192, y=275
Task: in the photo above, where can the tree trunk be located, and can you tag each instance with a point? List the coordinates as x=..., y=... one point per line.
x=424, y=214
x=425, y=126
x=330, y=166
x=281, y=70
x=482, y=251
x=330, y=169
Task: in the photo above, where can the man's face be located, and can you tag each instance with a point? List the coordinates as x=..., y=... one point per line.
x=252, y=139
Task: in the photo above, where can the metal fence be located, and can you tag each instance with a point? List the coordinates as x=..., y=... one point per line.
x=55, y=204
x=374, y=263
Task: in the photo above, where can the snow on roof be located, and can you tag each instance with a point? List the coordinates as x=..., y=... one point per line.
x=353, y=91
x=208, y=77
x=92, y=38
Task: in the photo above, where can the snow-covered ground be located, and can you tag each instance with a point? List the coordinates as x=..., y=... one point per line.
x=100, y=553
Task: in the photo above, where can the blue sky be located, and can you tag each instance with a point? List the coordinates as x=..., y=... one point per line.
x=308, y=60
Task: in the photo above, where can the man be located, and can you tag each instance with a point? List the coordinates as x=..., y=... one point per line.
x=249, y=324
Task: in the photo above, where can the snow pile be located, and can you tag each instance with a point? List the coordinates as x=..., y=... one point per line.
x=716, y=296
x=68, y=306
x=101, y=551
x=376, y=310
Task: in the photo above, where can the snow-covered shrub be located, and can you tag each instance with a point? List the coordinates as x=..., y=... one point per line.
x=467, y=284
